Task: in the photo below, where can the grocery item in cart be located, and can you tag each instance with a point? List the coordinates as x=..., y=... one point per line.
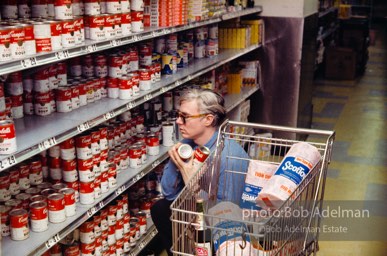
x=229, y=232
x=258, y=174
x=297, y=163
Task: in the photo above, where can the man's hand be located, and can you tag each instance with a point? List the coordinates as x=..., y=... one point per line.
x=185, y=167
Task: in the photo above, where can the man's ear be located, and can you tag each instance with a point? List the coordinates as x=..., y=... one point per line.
x=208, y=120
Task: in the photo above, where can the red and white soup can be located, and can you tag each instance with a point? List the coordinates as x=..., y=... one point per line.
x=85, y=170
x=67, y=149
x=5, y=181
x=113, y=6
x=153, y=144
x=135, y=154
x=19, y=224
x=69, y=198
x=68, y=30
x=39, y=216
x=42, y=103
x=92, y=7
x=7, y=137
x=56, y=208
x=5, y=41
x=56, y=34
x=110, y=26
x=42, y=33
x=95, y=27
x=86, y=232
x=126, y=23
x=145, y=79
x=86, y=192
x=69, y=170
x=63, y=99
x=17, y=42
x=63, y=9
x=83, y=146
x=137, y=21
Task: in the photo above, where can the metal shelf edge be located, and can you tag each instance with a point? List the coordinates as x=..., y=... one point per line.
x=144, y=241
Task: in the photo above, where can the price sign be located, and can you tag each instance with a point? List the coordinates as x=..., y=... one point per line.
x=147, y=35
x=62, y=55
x=91, y=48
x=27, y=63
x=91, y=211
x=130, y=105
x=141, y=245
x=52, y=241
x=115, y=42
x=120, y=190
x=101, y=204
x=177, y=83
x=47, y=144
x=153, y=234
x=148, y=97
x=109, y=115
x=155, y=163
x=83, y=127
x=7, y=162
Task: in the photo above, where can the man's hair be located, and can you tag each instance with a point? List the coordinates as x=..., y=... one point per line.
x=208, y=102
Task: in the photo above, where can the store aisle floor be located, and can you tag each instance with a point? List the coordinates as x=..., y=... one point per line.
x=357, y=111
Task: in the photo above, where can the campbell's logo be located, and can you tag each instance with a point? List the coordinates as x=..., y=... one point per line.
x=23, y=220
x=5, y=130
x=86, y=141
x=71, y=250
x=98, y=21
x=110, y=20
x=88, y=227
x=58, y=27
x=46, y=97
x=138, y=15
x=15, y=34
x=68, y=26
x=90, y=247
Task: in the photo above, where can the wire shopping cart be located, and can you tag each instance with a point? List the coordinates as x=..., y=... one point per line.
x=278, y=232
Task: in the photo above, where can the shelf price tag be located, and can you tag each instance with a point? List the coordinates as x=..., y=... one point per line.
x=47, y=144
x=91, y=211
x=101, y=204
x=27, y=63
x=7, y=162
x=177, y=83
x=141, y=245
x=52, y=241
x=91, y=48
x=115, y=42
x=148, y=97
x=155, y=163
x=153, y=234
x=120, y=190
x=109, y=115
x=83, y=127
x=62, y=54
x=130, y=105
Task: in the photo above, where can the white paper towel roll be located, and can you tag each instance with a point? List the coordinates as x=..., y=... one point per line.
x=300, y=159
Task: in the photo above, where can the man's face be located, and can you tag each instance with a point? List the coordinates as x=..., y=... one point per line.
x=193, y=128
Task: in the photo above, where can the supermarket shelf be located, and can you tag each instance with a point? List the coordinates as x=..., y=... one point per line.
x=90, y=46
x=38, y=243
x=233, y=100
x=144, y=241
x=35, y=134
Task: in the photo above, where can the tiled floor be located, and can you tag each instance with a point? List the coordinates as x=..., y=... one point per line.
x=357, y=111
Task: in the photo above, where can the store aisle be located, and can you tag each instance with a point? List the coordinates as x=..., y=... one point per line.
x=357, y=110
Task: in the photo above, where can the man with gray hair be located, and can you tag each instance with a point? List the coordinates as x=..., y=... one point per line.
x=200, y=114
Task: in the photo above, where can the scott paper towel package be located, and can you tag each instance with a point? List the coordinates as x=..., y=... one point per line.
x=258, y=174
x=297, y=163
x=228, y=230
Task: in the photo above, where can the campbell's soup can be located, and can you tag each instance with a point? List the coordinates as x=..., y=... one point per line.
x=69, y=198
x=145, y=79
x=137, y=21
x=4, y=213
x=137, y=5
x=24, y=171
x=100, y=66
x=200, y=155
x=153, y=144
x=95, y=25
x=135, y=153
x=79, y=30
x=83, y=146
x=39, y=216
x=85, y=170
x=110, y=26
x=17, y=42
x=88, y=249
x=42, y=33
x=126, y=23
x=39, y=9
x=29, y=39
x=86, y=232
x=72, y=249
x=68, y=30
x=56, y=208
x=67, y=149
x=112, y=175
x=115, y=66
x=145, y=55
x=19, y=224
x=113, y=6
x=5, y=42
x=69, y=170
x=92, y=7
x=63, y=99
x=5, y=181
x=14, y=175
x=42, y=105
x=7, y=137
x=86, y=192
x=56, y=34
x=63, y=9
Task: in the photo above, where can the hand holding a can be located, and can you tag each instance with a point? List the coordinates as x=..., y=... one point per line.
x=183, y=162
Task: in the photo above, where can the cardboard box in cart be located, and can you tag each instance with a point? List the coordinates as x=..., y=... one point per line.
x=340, y=63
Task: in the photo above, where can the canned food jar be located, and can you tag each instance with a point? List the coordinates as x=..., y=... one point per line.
x=56, y=208
x=39, y=216
x=19, y=224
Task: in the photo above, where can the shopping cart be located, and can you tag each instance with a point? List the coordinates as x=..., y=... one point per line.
x=278, y=232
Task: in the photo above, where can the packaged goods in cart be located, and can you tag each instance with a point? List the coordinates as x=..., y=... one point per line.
x=229, y=233
x=301, y=158
x=257, y=176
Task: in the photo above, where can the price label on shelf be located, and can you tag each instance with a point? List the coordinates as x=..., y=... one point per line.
x=120, y=190
x=109, y=115
x=130, y=105
x=115, y=42
x=91, y=211
x=91, y=48
x=52, y=241
x=47, y=144
x=9, y=161
x=83, y=127
x=141, y=245
x=148, y=97
x=177, y=83
x=27, y=63
x=147, y=35
x=62, y=55
x=153, y=233
x=155, y=163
